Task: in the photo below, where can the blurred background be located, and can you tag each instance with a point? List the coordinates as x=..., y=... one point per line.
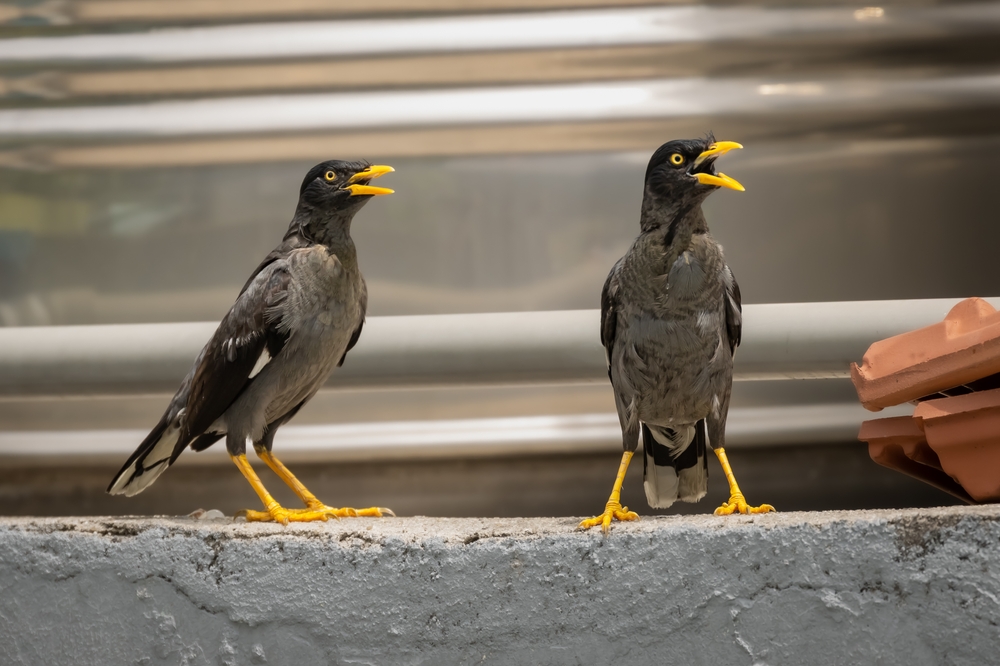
x=151, y=151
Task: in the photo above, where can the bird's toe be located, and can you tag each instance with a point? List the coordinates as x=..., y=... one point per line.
x=323, y=512
x=613, y=511
x=738, y=504
x=726, y=509
x=374, y=511
x=277, y=514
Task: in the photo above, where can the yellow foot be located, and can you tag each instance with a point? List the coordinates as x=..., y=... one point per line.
x=738, y=504
x=280, y=514
x=613, y=510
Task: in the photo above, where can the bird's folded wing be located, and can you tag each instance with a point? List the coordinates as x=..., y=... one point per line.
x=734, y=310
x=356, y=335
x=246, y=340
x=609, y=312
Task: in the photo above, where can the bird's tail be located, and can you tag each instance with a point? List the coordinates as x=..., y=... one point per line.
x=156, y=453
x=675, y=465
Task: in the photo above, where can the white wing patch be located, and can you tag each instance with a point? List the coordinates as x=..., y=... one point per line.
x=262, y=360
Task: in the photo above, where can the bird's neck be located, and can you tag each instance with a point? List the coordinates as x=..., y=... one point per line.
x=332, y=229
x=674, y=224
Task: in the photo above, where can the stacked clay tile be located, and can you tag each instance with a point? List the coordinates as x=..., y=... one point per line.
x=950, y=371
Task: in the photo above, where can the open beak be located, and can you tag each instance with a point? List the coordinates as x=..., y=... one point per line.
x=369, y=190
x=721, y=180
x=709, y=156
x=369, y=173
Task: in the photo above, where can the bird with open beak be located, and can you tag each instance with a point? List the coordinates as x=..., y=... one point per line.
x=671, y=320
x=296, y=318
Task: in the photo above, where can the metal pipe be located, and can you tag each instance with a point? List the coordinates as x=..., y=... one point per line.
x=556, y=103
x=748, y=427
x=780, y=341
x=495, y=32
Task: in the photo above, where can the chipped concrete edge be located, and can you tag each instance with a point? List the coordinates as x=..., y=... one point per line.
x=917, y=586
x=451, y=530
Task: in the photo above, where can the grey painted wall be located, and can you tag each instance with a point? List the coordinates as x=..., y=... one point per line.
x=906, y=587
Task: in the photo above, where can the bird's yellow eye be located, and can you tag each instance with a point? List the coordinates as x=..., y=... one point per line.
x=330, y=176
x=677, y=159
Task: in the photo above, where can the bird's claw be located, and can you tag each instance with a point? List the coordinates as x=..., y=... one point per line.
x=738, y=504
x=613, y=511
x=319, y=511
x=346, y=512
x=275, y=512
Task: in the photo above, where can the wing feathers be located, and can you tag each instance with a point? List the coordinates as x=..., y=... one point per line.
x=262, y=360
x=734, y=311
x=609, y=313
x=357, y=332
x=246, y=340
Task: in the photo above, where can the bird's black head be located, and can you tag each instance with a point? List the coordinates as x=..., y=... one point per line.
x=339, y=184
x=331, y=193
x=335, y=185
x=682, y=172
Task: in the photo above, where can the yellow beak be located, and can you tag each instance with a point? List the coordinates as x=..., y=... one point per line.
x=716, y=149
x=722, y=180
x=369, y=190
x=371, y=173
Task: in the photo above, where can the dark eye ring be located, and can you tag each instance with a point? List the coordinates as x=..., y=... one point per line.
x=677, y=159
x=330, y=176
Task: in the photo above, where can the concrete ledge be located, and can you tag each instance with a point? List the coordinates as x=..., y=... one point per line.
x=914, y=587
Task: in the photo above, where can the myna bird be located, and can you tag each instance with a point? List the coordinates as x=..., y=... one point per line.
x=294, y=321
x=671, y=319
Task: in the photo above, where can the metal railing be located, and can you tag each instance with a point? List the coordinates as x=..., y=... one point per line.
x=570, y=434
x=592, y=28
x=780, y=341
x=623, y=70
x=577, y=102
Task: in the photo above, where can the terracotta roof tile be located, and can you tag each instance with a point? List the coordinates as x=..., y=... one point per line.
x=961, y=349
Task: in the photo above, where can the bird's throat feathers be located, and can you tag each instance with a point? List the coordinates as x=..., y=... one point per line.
x=323, y=227
x=676, y=222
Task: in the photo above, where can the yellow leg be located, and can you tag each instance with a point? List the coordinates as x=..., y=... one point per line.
x=614, y=508
x=309, y=499
x=275, y=511
x=736, y=503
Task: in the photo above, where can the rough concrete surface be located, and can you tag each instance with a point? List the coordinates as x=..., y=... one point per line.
x=878, y=587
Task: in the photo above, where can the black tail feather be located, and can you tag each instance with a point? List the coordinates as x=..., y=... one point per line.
x=141, y=451
x=677, y=469
x=156, y=452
